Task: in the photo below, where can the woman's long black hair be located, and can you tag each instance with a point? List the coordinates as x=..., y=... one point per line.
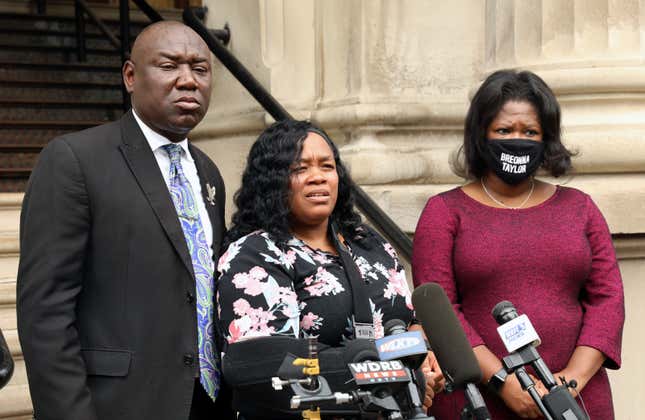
x=498, y=89
x=262, y=200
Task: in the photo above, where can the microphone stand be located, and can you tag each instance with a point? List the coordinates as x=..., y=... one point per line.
x=475, y=406
x=528, y=385
x=558, y=404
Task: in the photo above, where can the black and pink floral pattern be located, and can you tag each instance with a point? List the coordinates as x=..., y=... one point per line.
x=300, y=292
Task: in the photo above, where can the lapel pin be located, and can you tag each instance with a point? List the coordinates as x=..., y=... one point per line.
x=210, y=194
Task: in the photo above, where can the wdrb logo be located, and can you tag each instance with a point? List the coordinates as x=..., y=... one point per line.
x=367, y=373
x=398, y=344
x=517, y=333
x=377, y=366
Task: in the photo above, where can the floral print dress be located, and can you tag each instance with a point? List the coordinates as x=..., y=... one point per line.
x=301, y=292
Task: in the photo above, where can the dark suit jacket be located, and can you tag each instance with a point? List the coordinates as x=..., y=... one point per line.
x=106, y=307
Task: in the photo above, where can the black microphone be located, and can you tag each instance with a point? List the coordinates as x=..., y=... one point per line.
x=520, y=339
x=6, y=362
x=450, y=345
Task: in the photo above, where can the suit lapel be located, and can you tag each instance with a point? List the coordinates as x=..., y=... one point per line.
x=143, y=165
x=208, y=197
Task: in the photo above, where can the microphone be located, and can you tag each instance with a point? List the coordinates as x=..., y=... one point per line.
x=398, y=343
x=450, y=345
x=520, y=338
x=516, y=331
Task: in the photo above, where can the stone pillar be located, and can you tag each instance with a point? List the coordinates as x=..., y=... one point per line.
x=384, y=77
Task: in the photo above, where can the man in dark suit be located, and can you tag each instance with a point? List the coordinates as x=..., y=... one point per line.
x=119, y=228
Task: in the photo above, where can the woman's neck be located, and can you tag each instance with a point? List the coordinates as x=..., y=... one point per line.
x=315, y=236
x=503, y=190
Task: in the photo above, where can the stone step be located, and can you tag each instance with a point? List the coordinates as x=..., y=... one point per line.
x=40, y=28
x=50, y=110
x=10, y=205
x=65, y=22
x=47, y=54
x=51, y=39
x=59, y=72
x=7, y=291
x=8, y=317
x=63, y=11
x=60, y=91
x=21, y=148
x=24, y=135
x=22, y=140
x=38, y=83
x=13, y=185
x=19, y=160
x=69, y=125
x=15, y=403
x=14, y=398
x=17, y=45
x=15, y=173
x=11, y=335
x=70, y=93
x=9, y=260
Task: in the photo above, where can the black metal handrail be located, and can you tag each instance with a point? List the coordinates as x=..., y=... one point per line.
x=41, y=7
x=82, y=8
x=223, y=35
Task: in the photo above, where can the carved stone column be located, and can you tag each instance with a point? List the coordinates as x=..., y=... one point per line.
x=591, y=53
x=388, y=79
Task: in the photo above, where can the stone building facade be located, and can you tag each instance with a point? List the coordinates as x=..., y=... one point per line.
x=390, y=80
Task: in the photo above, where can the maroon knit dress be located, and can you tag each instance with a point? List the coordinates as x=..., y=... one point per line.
x=555, y=262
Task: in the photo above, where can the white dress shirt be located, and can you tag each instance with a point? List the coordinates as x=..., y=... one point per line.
x=156, y=141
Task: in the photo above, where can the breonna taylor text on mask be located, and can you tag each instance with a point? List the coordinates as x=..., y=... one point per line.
x=514, y=164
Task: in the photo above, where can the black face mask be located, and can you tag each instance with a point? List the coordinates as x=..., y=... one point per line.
x=514, y=160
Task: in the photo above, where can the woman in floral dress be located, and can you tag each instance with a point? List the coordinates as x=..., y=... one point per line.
x=283, y=273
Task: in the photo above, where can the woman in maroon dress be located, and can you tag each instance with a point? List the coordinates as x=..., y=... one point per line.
x=508, y=236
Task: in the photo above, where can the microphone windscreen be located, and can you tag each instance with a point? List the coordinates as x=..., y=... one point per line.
x=446, y=336
x=359, y=351
x=503, y=312
x=394, y=326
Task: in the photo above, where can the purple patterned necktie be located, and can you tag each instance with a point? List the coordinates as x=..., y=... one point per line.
x=188, y=213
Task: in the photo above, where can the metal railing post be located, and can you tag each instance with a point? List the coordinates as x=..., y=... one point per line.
x=81, y=51
x=124, y=20
x=41, y=7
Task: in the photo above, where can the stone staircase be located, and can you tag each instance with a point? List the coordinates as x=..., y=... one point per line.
x=45, y=91
x=14, y=398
